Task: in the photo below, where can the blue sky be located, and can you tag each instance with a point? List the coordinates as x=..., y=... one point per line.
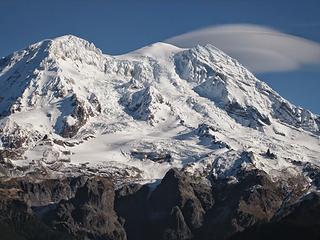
x=121, y=26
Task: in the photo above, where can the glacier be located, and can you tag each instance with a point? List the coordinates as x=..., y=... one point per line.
x=67, y=108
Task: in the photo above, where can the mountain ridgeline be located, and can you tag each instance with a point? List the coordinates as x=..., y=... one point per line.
x=159, y=143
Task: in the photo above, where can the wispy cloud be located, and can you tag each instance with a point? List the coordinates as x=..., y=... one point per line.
x=261, y=49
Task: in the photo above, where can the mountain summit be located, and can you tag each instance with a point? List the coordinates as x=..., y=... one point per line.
x=67, y=108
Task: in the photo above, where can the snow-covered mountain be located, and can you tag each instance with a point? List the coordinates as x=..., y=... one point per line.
x=67, y=108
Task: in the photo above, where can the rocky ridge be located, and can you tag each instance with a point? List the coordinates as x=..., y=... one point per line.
x=181, y=206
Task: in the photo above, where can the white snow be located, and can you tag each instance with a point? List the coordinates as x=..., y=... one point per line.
x=152, y=100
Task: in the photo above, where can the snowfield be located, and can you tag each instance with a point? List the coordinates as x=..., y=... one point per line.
x=66, y=108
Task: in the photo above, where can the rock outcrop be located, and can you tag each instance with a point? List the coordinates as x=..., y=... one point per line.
x=180, y=207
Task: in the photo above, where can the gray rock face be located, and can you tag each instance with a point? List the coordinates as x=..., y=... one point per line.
x=90, y=214
x=172, y=211
x=177, y=227
x=176, y=190
x=181, y=207
x=18, y=220
x=77, y=208
x=297, y=221
x=253, y=199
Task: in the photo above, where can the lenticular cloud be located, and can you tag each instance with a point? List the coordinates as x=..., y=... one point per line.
x=261, y=49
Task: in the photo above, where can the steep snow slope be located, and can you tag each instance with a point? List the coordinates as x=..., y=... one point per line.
x=66, y=107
